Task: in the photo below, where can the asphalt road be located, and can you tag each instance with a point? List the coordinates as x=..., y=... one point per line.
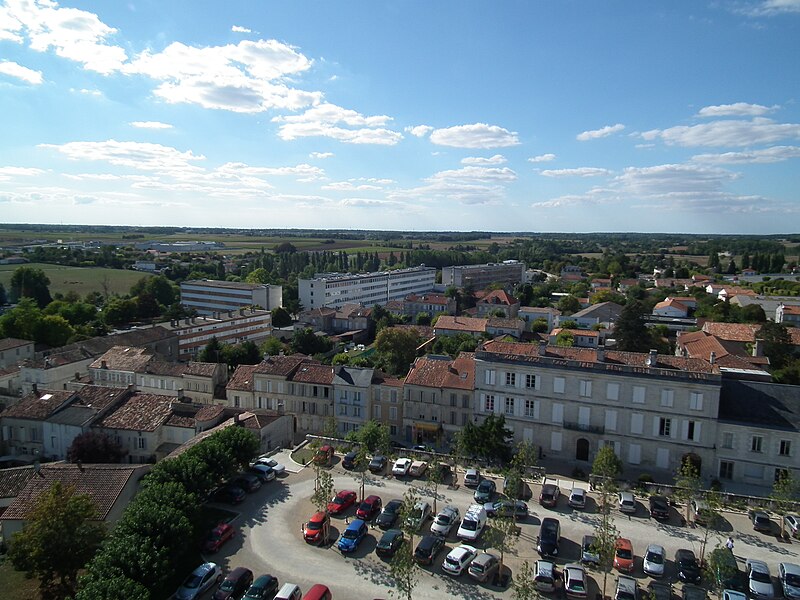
x=270, y=540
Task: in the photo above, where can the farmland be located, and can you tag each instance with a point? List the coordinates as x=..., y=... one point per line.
x=79, y=279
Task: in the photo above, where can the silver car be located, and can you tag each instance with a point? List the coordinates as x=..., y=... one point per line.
x=792, y=524
x=759, y=580
x=484, y=566
x=789, y=575
x=654, y=559
x=445, y=520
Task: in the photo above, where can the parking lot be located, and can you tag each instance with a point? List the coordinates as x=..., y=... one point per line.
x=270, y=539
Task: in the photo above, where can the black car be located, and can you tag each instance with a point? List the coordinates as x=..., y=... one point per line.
x=485, y=491
x=378, y=463
x=686, y=564
x=659, y=590
x=389, y=514
x=249, y=482
x=389, y=543
x=230, y=494
x=349, y=460
x=263, y=588
x=549, y=537
x=659, y=507
x=427, y=549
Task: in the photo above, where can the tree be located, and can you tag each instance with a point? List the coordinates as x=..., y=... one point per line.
x=423, y=319
x=784, y=496
x=403, y=567
x=719, y=568
x=373, y=436
x=606, y=466
x=502, y=535
x=3, y=295
x=524, y=585
x=212, y=352
x=284, y=247
x=272, y=346
x=59, y=537
x=687, y=484
x=630, y=330
x=30, y=282
x=396, y=349
x=259, y=275
x=120, y=311
x=539, y=325
x=568, y=305
x=95, y=447
x=20, y=321
x=753, y=313
x=777, y=343
x=281, y=317
x=305, y=341
x=53, y=330
x=490, y=440
x=565, y=339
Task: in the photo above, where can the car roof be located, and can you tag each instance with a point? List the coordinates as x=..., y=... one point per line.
x=574, y=568
x=205, y=568
x=545, y=566
x=428, y=540
x=344, y=492
x=372, y=498
x=684, y=553
x=790, y=568
x=237, y=573
x=461, y=550
x=392, y=533
x=655, y=548
x=625, y=496
x=578, y=491
x=626, y=580
x=393, y=503
x=422, y=504
x=448, y=510
x=318, y=516
x=757, y=565
x=471, y=471
x=355, y=525
x=484, y=557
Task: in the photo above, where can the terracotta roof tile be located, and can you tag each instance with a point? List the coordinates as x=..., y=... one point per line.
x=209, y=412
x=123, y=358
x=141, y=412
x=242, y=378
x=442, y=372
x=736, y=332
x=280, y=365
x=429, y=298
x=499, y=297
x=311, y=373
x=465, y=324
x=13, y=480
x=502, y=323
x=37, y=405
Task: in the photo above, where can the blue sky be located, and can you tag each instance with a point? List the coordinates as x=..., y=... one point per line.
x=677, y=116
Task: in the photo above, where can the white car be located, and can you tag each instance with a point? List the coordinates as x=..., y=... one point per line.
x=201, y=579
x=654, y=559
x=401, y=467
x=577, y=497
x=789, y=576
x=733, y=595
x=473, y=523
x=418, y=515
x=792, y=524
x=445, y=520
x=759, y=580
x=458, y=560
x=627, y=503
x=627, y=588
x=271, y=462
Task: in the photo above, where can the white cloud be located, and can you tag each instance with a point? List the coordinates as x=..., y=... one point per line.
x=419, y=130
x=577, y=172
x=732, y=132
x=370, y=203
x=150, y=125
x=136, y=155
x=86, y=92
x=769, y=8
x=9, y=173
x=477, y=135
x=321, y=155
x=738, y=109
x=542, y=158
x=497, y=159
x=240, y=29
x=327, y=120
x=73, y=34
x=476, y=174
x=599, y=133
x=349, y=186
x=765, y=155
x=16, y=70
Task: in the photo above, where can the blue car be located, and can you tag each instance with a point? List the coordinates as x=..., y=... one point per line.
x=352, y=536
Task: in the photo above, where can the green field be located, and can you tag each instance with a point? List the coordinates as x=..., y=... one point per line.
x=81, y=280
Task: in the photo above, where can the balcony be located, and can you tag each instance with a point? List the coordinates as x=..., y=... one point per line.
x=581, y=427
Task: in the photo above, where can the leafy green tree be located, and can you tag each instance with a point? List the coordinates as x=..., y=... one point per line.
x=3, y=295
x=403, y=568
x=281, y=317
x=524, y=584
x=373, y=436
x=568, y=305
x=607, y=466
x=719, y=568
x=95, y=447
x=120, y=311
x=630, y=330
x=396, y=349
x=502, y=535
x=753, y=313
x=20, y=322
x=305, y=341
x=491, y=440
x=212, y=352
x=53, y=330
x=111, y=588
x=539, y=326
x=565, y=339
x=272, y=346
x=777, y=343
x=31, y=282
x=423, y=319
x=59, y=537
x=284, y=247
x=246, y=353
x=785, y=493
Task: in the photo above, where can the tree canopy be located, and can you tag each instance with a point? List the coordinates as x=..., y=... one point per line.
x=630, y=330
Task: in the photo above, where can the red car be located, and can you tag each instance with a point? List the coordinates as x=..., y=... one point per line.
x=313, y=530
x=369, y=508
x=343, y=500
x=218, y=536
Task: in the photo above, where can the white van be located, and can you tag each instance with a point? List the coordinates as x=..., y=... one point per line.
x=473, y=523
x=289, y=591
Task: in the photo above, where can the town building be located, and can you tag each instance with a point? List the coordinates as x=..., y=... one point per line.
x=14, y=351
x=352, y=397
x=337, y=289
x=671, y=307
x=229, y=327
x=498, y=301
x=581, y=338
x=602, y=313
x=529, y=314
x=352, y=318
x=431, y=304
x=387, y=403
x=207, y=296
x=508, y=272
x=789, y=315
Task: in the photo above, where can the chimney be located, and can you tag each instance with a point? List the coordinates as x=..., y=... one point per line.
x=35, y=388
x=652, y=359
x=758, y=348
x=542, y=347
x=601, y=353
x=77, y=375
x=712, y=358
x=103, y=365
x=180, y=394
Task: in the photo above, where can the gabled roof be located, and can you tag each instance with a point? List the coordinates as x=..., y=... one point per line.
x=503, y=323
x=281, y=366
x=442, y=372
x=498, y=297
x=353, y=376
x=123, y=358
x=37, y=405
x=242, y=378
x=102, y=483
x=778, y=405
x=11, y=343
x=604, y=311
x=672, y=303
x=583, y=332
x=313, y=373
x=465, y=324
x=140, y=412
x=735, y=332
x=13, y=480
x=429, y=298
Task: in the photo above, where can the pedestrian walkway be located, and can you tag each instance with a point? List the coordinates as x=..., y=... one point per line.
x=284, y=457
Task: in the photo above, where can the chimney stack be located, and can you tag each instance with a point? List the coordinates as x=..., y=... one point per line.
x=652, y=359
x=712, y=357
x=35, y=388
x=542, y=347
x=180, y=394
x=601, y=353
x=758, y=348
x=103, y=365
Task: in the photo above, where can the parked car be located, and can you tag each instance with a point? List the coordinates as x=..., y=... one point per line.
x=549, y=494
x=235, y=584
x=263, y=472
x=626, y=589
x=659, y=507
x=201, y=579
x=659, y=590
x=627, y=503
x=733, y=595
x=473, y=523
x=484, y=566
x=544, y=576
x=485, y=491
x=427, y=549
x=318, y=591
x=271, y=462
x=760, y=520
x=264, y=588
x=575, y=581
x=217, y=537
x=577, y=498
x=549, y=537
x=341, y=502
x=759, y=580
x=324, y=455
x=589, y=554
x=507, y=508
x=472, y=478
x=789, y=576
x=249, y=482
x=701, y=514
x=623, y=555
x=445, y=520
x=693, y=592
x=314, y=530
x=457, y=561
x=727, y=574
x=654, y=559
x=418, y=515
x=230, y=494
x=389, y=514
x=369, y=508
x=792, y=525
x=418, y=468
x=352, y=536
x=389, y=543
x=522, y=491
x=687, y=566
x=289, y=591
x=401, y=467
x=377, y=464
x=349, y=460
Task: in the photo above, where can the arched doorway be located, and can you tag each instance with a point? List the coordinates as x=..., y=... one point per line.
x=694, y=460
x=582, y=449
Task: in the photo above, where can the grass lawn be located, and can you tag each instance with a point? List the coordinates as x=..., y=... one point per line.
x=81, y=280
x=15, y=585
x=303, y=455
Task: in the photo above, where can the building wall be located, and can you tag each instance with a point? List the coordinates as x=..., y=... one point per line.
x=14, y=356
x=206, y=297
x=749, y=455
x=479, y=276
x=52, y=378
x=387, y=408
x=336, y=290
x=23, y=436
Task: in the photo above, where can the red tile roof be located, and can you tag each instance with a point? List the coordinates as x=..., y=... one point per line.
x=429, y=298
x=242, y=378
x=13, y=480
x=441, y=372
x=735, y=332
x=311, y=373
x=465, y=324
x=209, y=412
x=499, y=297
x=141, y=412
x=37, y=405
x=281, y=366
x=123, y=358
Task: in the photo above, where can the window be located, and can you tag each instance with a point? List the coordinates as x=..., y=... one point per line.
x=464, y=418
x=530, y=381
x=392, y=429
x=342, y=409
x=727, y=440
x=558, y=413
x=141, y=443
x=393, y=396
x=585, y=388
x=638, y=394
x=558, y=385
x=667, y=397
x=755, y=443
x=511, y=379
x=357, y=397
x=725, y=469
x=612, y=391
x=488, y=403
x=530, y=409
x=637, y=423
x=696, y=401
x=785, y=448
x=453, y=400
x=555, y=441
x=634, y=454
x=509, y=406
x=664, y=426
x=376, y=411
x=693, y=431
x=611, y=420
x=356, y=411
x=393, y=413
x=236, y=403
x=489, y=376
x=465, y=401
x=315, y=391
x=261, y=402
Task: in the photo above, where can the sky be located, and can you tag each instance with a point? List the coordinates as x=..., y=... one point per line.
x=561, y=116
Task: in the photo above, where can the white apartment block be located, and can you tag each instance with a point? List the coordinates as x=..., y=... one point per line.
x=209, y=296
x=229, y=327
x=480, y=276
x=368, y=289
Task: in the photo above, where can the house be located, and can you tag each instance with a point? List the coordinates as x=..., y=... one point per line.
x=789, y=315
x=352, y=397
x=572, y=273
x=331, y=320
x=582, y=338
x=451, y=325
x=498, y=301
x=733, y=358
x=732, y=332
x=598, y=284
x=496, y=326
x=625, y=284
x=602, y=313
x=23, y=423
x=529, y=314
x=431, y=304
x=508, y=272
x=387, y=402
x=671, y=308
x=13, y=351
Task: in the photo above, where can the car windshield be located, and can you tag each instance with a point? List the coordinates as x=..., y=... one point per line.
x=792, y=579
x=314, y=525
x=338, y=500
x=443, y=520
x=576, y=584
x=365, y=506
x=761, y=519
x=587, y=545
x=655, y=557
x=760, y=576
x=350, y=534
x=624, y=553
x=392, y=507
x=227, y=585
x=476, y=567
x=452, y=561
x=469, y=525
x=621, y=595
